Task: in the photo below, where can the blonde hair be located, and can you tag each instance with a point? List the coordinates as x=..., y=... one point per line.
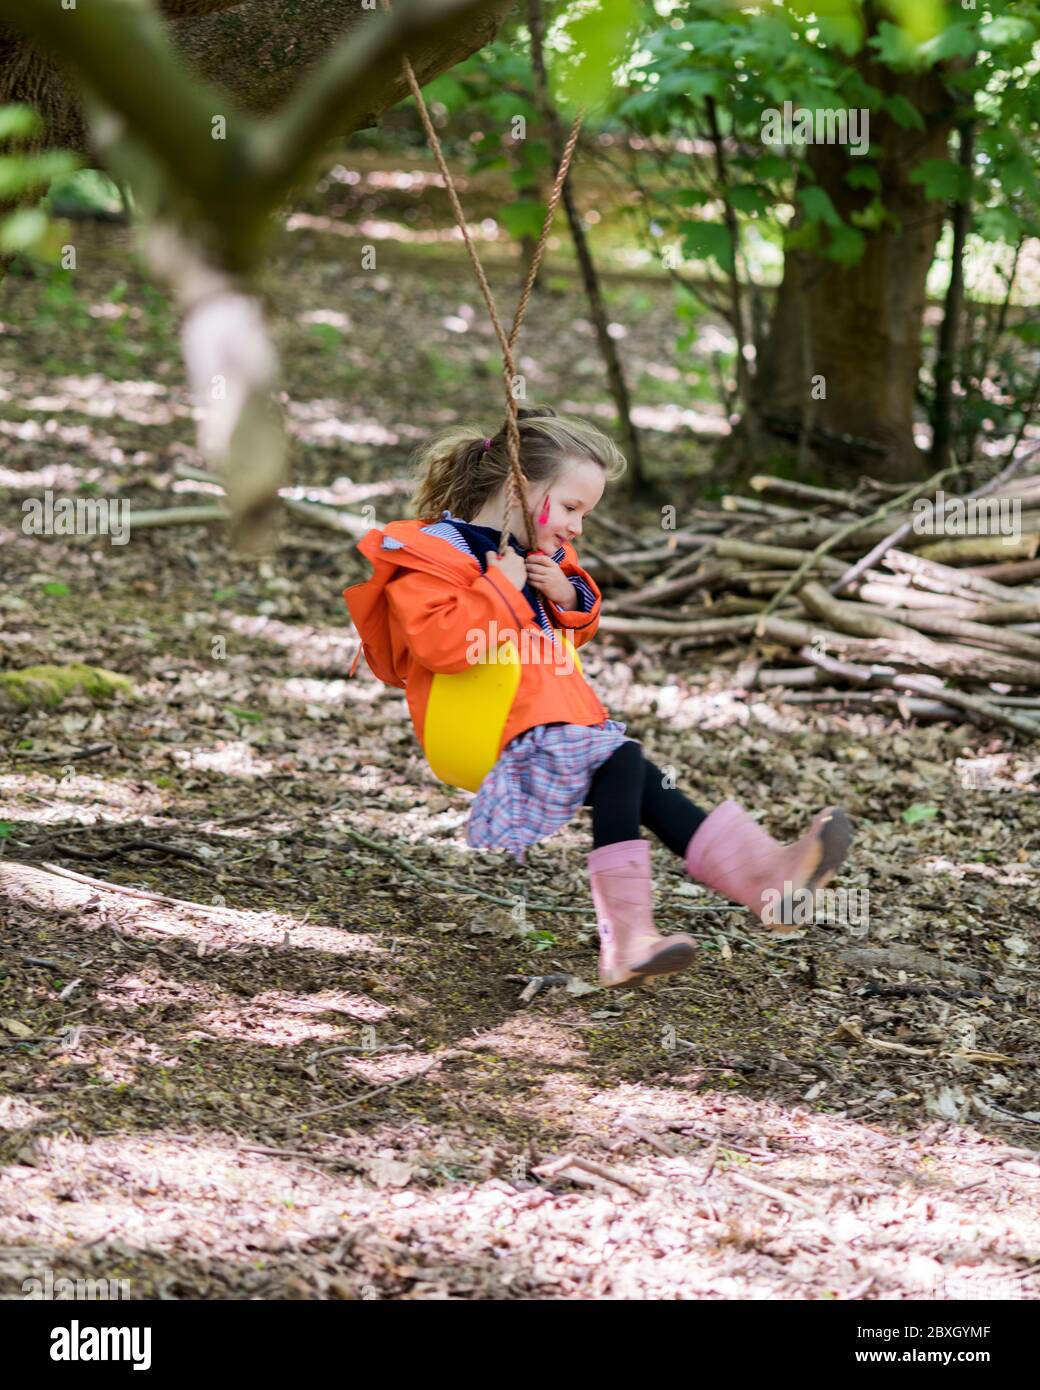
x=457, y=474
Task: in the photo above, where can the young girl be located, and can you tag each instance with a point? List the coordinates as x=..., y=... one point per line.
x=438, y=584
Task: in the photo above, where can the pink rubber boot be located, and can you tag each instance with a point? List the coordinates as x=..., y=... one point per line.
x=731, y=853
x=631, y=947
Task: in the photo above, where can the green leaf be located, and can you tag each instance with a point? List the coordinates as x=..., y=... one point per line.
x=706, y=34
x=746, y=198
x=23, y=230
x=818, y=206
x=998, y=224
x=772, y=166
x=6, y=827
x=864, y=176
x=56, y=589
x=919, y=20
x=943, y=180
x=249, y=715
x=870, y=217
x=846, y=245
x=26, y=171
x=593, y=42
x=844, y=31
x=699, y=83
x=918, y=812
x=1028, y=333
x=329, y=335
x=686, y=197
x=903, y=113
x=955, y=41
x=702, y=240
x=1015, y=171
x=895, y=47
x=18, y=121
x=448, y=91
x=523, y=217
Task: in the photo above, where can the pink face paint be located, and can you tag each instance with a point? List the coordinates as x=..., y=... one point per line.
x=542, y=519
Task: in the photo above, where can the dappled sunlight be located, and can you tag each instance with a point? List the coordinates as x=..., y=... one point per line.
x=799, y=1205
x=80, y=438
x=16, y=1113
x=121, y=1061
x=378, y=1068
x=147, y=987
x=213, y=929
x=413, y=180
x=229, y=757
x=314, y=692
x=103, y=402
x=1013, y=874
x=532, y=1038
x=684, y=708
x=157, y=1192
x=998, y=772
x=487, y=230
x=674, y=419
x=321, y=422
x=86, y=800
x=59, y=477
x=309, y=646
x=280, y=1031
x=332, y=317
x=278, y=1019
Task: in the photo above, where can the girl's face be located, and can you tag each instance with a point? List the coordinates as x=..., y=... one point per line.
x=565, y=502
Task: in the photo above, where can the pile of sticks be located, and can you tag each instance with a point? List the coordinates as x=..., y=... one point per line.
x=833, y=596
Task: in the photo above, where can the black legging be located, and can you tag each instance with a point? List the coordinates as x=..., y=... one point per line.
x=628, y=791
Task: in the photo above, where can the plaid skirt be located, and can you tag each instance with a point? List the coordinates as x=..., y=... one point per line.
x=540, y=780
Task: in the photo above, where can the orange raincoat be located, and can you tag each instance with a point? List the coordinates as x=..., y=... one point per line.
x=418, y=614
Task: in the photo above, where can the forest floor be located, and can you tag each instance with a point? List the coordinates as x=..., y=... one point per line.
x=265, y=1022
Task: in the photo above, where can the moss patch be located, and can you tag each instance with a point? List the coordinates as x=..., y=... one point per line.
x=49, y=685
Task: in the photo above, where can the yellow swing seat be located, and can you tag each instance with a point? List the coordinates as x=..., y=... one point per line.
x=466, y=714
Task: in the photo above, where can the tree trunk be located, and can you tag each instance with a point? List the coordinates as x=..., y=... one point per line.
x=943, y=423
x=864, y=320
x=256, y=50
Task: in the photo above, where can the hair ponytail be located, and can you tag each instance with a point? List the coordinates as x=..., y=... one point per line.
x=456, y=473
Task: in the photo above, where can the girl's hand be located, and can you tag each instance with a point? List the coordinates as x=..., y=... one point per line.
x=545, y=574
x=512, y=566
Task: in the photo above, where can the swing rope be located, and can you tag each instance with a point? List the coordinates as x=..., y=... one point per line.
x=515, y=490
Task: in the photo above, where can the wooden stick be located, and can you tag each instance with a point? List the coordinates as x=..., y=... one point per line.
x=979, y=634
x=902, y=532
x=606, y=562
x=775, y=556
x=787, y=677
x=980, y=548
x=586, y=1165
x=849, y=529
x=930, y=574
x=1010, y=573
x=177, y=516
x=804, y=492
x=895, y=595
x=912, y=704
x=939, y=658
x=654, y=627
x=662, y=593
x=973, y=704
x=733, y=502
